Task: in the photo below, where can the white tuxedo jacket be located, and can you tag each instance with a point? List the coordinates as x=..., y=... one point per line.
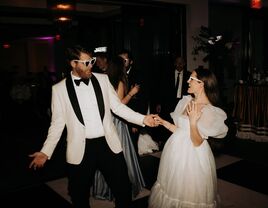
x=66, y=111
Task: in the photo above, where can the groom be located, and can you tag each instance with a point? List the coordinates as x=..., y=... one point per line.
x=83, y=102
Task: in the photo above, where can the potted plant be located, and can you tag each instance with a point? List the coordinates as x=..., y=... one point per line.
x=218, y=50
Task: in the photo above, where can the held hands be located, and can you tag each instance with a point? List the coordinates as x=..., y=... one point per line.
x=39, y=159
x=149, y=120
x=166, y=124
x=159, y=120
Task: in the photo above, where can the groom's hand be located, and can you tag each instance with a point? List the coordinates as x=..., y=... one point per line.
x=150, y=121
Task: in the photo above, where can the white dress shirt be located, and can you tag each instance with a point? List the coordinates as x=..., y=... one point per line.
x=179, y=90
x=89, y=109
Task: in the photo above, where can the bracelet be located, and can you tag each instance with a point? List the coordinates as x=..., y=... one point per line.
x=129, y=95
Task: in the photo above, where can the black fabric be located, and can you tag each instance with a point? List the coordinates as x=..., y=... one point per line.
x=149, y=166
x=78, y=81
x=73, y=98
x=99, y=95
x=177, y=83
x=113, y=166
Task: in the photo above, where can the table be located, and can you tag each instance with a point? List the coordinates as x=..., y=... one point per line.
x=251, y=112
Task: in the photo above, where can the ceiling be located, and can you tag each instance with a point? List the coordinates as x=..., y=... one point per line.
x=35, y=12
x=95, y=8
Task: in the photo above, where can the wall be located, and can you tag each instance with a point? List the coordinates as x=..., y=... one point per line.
x=196, y=16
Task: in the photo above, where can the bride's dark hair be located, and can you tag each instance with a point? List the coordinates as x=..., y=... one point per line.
x=210, y=84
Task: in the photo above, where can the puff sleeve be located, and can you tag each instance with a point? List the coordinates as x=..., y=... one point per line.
x=212, y=122
x=180, y=107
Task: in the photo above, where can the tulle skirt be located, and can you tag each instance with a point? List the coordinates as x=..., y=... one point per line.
x=186, y=176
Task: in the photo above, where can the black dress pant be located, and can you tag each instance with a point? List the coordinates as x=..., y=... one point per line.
x=98, y=155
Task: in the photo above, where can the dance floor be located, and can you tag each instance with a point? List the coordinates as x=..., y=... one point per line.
x=39, y=195
x=241, y=184
x=241, y=168
x=242, y=173
x=248, y=174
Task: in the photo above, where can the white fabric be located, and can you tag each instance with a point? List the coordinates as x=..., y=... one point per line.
x=89, y=109
x=146, y=144
x=187, y=174
x=179, y=90
x=63, y=115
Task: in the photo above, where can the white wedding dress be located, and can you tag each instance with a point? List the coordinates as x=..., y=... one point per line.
x=187, y=174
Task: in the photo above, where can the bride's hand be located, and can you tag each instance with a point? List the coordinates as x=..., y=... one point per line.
x=193, y=112
x=159, y=120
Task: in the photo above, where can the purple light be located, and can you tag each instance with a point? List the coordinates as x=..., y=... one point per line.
x=45, y=38
x=50, y=44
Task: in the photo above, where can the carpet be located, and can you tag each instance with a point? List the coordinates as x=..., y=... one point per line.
x=248, y=174
x=40, y=196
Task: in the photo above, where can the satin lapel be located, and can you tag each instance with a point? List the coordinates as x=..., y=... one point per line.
x=73, y=98
x=99, y=95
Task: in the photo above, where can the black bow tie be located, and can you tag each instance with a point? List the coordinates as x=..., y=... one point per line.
x=78, y=81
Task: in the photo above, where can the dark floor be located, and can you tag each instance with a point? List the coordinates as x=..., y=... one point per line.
x=23, y=133
x=232, y=174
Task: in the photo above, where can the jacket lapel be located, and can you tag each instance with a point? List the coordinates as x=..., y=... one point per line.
x=73, y=98
x=99, y=95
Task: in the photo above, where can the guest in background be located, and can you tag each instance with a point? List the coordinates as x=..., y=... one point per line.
x=117, y=77
x=102, y=59
x=139, y=102
x=187, y=172
x=83, y=102
x=173, y=85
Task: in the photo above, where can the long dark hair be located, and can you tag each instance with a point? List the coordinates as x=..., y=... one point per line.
x=210, y=84
x=116, y=72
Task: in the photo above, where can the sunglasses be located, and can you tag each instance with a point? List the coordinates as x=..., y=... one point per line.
x=193, y=78
x=87, y=62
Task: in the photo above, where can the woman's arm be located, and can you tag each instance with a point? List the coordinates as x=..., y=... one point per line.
x=171, y=127
x=194, y=114
x=121, y=92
